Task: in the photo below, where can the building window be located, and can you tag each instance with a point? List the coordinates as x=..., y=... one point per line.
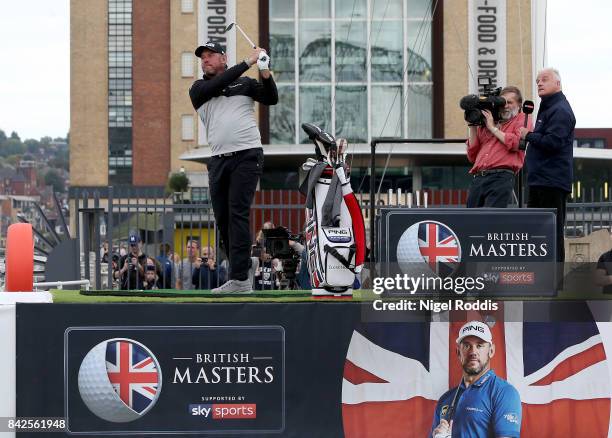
x=187, y=127
x=187, y=64
x=595, y=143
x=187, y=6
x=199, y=194
x=357, y=68
x=120, y=91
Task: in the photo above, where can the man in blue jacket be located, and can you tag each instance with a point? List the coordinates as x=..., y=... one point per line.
x=550, y=151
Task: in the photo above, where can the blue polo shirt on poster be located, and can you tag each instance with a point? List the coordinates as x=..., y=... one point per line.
x=489, y=407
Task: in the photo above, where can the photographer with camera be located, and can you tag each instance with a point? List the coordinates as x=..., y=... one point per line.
x=132, y=264
x=207, y=274
x=493, y=148
x=265, y=275
x=152, y=280
x=280, y=251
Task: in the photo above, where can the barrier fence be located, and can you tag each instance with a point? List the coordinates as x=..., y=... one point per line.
x=166, y=223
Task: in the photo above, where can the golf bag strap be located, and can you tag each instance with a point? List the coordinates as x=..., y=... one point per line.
x=346, y=263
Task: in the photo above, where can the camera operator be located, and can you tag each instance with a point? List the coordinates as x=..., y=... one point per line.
x=207, y=274
x=132, y=266
x=266, y=273
x=494, y=150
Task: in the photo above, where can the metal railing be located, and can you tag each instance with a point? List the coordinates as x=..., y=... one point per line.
x=161, y=220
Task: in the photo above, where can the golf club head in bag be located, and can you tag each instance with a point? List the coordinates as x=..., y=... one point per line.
x=325, y=144
x=335, y=231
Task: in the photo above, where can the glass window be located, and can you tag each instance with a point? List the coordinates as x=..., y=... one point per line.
x=315, y=8
x=419, y=110
x=387, y=109
x=352, y=113
x=187, y=127
x=351, y=43
x=282, y=116
x=315, y=51
x=282, y=50
x=351, y=8
x=387, y=43
x=418, y=9
x=315, y=107
x=281, y=9
x=187, y=64
x=419, y=53
x=187, y=6
x=400, y=54
x=386, y=9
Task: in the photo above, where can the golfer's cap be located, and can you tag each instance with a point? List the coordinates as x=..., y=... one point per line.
x=475, y=328
x=134, y=238
x=213, y=47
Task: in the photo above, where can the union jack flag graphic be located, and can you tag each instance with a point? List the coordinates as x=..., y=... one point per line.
x=439, y=247
x=395, y=372
x=133, y=372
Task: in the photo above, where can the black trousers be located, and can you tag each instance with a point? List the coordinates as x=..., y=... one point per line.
x=232, y=181
x=550, y=197
x=491, y=190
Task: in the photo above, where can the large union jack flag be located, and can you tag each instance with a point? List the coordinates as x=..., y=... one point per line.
x=395, y=373
x=439, y=247
x=133, y=372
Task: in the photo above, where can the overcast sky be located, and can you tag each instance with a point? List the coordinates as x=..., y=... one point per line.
x=35, y=66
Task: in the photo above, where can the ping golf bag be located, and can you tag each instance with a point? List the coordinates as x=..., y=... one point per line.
x=334, y=232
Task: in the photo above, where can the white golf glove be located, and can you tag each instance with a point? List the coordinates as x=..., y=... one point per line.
x=263, y=62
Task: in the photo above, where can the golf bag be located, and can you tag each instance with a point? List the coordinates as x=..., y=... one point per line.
x=335, y=231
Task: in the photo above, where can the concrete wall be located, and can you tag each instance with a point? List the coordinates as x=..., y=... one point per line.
x=88, y=93
x=183, y=38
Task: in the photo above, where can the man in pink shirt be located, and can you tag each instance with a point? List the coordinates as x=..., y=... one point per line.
x=494, y=151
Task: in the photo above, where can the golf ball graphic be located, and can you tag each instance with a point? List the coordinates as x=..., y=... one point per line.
x=429, y=249
x=120, y=380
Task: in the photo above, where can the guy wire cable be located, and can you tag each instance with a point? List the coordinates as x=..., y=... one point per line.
x=399, y=90
x=333, y=108
x=466, y=54
x=405, y=103
x=405, y=71
x=521, y=40
x=545, y=33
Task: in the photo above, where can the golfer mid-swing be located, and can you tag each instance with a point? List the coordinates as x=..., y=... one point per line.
x=225, y=102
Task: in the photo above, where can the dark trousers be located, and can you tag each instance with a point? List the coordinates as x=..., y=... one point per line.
x=232, y=181
x=549, y=197
x=491, y=190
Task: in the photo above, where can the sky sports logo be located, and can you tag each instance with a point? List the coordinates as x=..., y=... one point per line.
x=224, y=411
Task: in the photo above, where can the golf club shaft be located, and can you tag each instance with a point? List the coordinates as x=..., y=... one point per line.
x=245, y=35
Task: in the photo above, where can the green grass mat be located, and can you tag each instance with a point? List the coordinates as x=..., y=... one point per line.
x=179, y=296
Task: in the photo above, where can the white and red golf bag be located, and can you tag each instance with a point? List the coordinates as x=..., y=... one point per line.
x=335, y=231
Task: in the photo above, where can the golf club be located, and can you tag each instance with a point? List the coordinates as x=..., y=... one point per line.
x=241, y=31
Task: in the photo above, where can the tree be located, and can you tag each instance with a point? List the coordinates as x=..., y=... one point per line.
x=2, y=136
x=15, y=136
x=32, y=145
x=178, y=182
x=52, y=178
x=11, y=146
